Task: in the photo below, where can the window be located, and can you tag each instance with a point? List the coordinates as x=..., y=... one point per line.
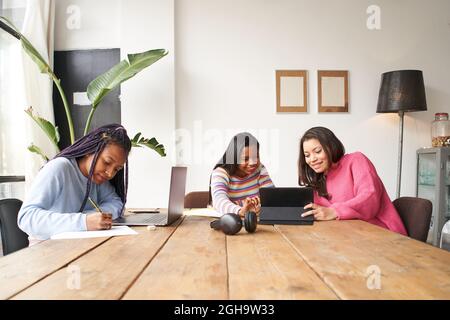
x=12, y=103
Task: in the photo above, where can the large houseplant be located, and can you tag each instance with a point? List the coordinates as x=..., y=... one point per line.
x=96, y=91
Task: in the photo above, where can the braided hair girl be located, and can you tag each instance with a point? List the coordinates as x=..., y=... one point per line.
x=94, y=167
x=90, y=147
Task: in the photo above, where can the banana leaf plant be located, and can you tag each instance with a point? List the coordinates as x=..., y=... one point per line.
x=96, y=90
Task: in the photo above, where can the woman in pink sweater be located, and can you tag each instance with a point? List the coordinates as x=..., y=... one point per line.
x=346, y=186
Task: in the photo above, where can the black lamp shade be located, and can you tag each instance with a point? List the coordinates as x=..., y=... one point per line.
x=402, y=90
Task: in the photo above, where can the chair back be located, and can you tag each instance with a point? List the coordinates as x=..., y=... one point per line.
x=13, y=238
x=196, y=199
x=416, y=216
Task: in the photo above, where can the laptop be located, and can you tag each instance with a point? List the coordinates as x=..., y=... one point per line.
x=285, y=205
x=161, y=217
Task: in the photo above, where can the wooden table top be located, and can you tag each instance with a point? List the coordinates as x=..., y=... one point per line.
x=188, y=260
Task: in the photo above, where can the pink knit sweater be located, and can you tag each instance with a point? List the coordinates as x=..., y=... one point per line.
x=357, y=192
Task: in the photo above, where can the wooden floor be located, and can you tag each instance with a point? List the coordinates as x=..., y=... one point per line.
x=189, y=260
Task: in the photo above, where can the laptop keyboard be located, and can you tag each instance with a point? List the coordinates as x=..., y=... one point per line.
x=155, y=218
x=144, y=219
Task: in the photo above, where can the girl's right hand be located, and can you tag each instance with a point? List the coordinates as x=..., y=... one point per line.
x=246, y=207
x=250, y=204
x=256, y=203
x=98, y=221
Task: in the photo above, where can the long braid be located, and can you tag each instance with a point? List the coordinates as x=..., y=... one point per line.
x=126, y=183
x=100, y=147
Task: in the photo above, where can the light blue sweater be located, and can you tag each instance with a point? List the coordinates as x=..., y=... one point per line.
x=52, y=204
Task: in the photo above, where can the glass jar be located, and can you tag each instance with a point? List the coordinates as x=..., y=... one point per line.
x=440, y=130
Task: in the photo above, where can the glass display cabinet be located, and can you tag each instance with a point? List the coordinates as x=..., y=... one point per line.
x=433, y=183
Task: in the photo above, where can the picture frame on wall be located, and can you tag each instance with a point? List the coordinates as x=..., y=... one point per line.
x=291, y=86
x=332, y=90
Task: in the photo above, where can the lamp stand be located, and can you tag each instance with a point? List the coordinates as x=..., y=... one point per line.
x=400, y=153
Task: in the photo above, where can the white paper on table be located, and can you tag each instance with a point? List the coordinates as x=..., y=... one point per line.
x=114, y=231
x=203, y=212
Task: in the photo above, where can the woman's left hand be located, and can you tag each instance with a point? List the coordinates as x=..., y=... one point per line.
x=319, y=212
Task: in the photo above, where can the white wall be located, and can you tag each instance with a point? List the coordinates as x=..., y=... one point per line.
x=227, y=52
x=84, y=24
x=148, y=99
x=223, y=57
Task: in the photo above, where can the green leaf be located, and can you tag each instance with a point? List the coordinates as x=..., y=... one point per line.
x=103, y=84
x=136, y=138
x=9, y=27
x=37, y=150
x=28, y=48
x=35, y=56
x=152, y=143
x=49, y=129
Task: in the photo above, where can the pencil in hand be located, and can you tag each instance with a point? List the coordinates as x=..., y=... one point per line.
x=95, y=205
x=106, y=217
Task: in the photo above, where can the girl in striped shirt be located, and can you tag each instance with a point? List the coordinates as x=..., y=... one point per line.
x=237, y=177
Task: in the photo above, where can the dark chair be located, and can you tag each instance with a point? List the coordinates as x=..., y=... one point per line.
x=416, y=216
x=13, y=238
x=196, y=199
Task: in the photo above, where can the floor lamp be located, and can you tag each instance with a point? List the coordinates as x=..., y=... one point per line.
x=401, y=91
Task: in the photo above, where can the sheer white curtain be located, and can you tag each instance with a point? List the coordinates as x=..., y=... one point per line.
x=12, y=103
x=38, y=28
x=22, y=85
